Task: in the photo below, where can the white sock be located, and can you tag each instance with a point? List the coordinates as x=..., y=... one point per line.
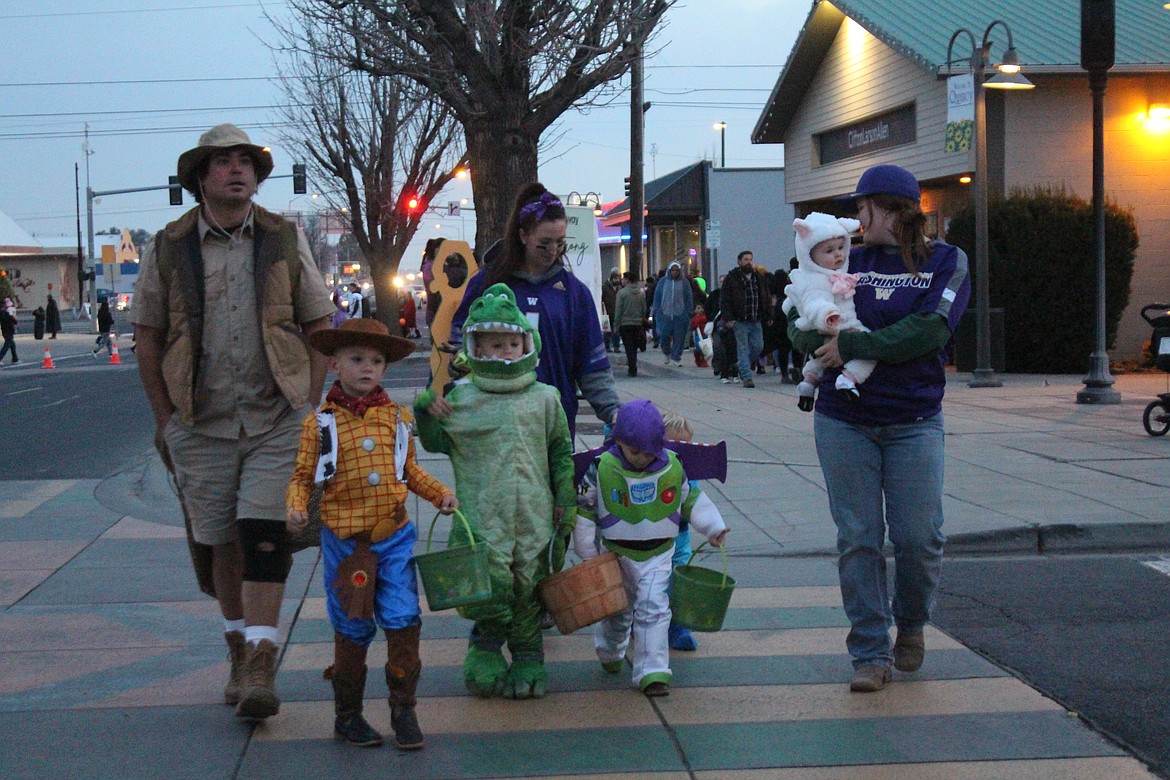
x=233, y=625
x=806, y=388
x=253, y=634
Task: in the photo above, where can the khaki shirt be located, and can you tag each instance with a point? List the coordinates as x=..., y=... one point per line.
x=239, y=394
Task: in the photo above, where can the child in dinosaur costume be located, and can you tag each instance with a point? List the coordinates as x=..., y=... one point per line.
x=509, y=444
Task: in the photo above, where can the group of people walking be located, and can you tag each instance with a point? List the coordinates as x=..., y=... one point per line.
x=236, y=402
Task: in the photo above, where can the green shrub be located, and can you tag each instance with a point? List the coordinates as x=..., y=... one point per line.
x=1042, y=271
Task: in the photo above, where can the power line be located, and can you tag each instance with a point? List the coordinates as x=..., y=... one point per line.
x=138, y=111
x=251, y=4
x=130, y=81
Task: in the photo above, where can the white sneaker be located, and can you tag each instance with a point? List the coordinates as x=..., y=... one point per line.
x=736, y=379
x=666, y=362
x=676, y=363
x=725, y=380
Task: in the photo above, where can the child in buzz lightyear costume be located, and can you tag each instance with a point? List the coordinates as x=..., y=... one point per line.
x=636, y=497
x=509, y=444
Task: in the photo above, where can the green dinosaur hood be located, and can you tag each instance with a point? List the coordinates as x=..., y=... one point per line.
x=495, y=311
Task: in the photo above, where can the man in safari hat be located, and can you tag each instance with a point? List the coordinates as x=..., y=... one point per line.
x=226, y=297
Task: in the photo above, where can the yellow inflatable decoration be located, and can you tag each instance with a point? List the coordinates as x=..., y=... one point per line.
x=454, y=265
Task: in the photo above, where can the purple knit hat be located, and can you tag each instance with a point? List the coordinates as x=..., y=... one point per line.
x=639, y=425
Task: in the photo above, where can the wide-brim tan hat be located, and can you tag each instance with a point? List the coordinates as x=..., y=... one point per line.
x=362, y=332
x=217, y=139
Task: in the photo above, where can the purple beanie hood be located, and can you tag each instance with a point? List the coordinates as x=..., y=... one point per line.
x=639, y=425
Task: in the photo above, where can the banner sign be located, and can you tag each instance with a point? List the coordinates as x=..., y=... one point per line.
x=894, y=128
x=960, y=112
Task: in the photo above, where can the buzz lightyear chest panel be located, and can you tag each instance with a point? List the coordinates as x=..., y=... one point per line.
x=638, y=505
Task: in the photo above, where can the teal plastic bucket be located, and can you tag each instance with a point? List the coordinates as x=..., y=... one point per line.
x=699, y=597
x=457, y=576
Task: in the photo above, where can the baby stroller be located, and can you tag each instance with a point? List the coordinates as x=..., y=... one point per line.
x=1156, y=418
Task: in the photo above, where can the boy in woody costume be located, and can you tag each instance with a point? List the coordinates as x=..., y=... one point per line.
x=359, y=445
x=502, y=416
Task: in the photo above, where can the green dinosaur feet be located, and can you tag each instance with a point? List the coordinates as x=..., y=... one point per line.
x=484, y=672
x=527, y=679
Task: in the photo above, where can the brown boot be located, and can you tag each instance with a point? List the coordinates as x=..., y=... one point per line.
x=402, y=670
x=348, y=675
x=259, y=698
x=237, y=654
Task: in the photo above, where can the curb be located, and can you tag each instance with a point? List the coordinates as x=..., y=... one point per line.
x=1063, y=538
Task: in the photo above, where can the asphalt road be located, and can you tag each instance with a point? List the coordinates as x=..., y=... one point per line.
x=83, y=421
x=1088, y=631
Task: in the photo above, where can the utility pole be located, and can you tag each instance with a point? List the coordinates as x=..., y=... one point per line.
x=81, y=275
x=637, y=174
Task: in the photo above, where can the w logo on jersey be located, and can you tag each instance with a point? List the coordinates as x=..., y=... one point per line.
x=532, y=301
x=883, y=294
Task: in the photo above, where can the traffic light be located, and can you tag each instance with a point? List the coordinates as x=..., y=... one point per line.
x=299, y=181
x=176, y=191
x=627, y=186
x=1097, y=34
x=413, y=205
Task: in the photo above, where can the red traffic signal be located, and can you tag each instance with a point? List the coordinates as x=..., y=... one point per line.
x=412, y=204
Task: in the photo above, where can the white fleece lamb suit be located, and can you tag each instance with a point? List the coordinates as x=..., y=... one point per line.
x=820, y=295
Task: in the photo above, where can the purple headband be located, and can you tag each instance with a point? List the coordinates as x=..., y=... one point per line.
x=537, y=208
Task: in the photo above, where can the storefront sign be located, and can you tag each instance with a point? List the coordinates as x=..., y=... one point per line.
x=960, y=112
x=880, y=132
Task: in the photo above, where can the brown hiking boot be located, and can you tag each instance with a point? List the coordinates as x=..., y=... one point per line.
x=869, y=678
x=909, y=651
x=237, y=654
x=259, y=697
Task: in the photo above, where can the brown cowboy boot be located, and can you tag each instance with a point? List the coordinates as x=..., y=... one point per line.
x=259, y=699
x=238, y=654
x=402, y=670
x=348, y=675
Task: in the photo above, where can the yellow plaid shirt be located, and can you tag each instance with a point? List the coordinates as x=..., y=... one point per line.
x=365, y=493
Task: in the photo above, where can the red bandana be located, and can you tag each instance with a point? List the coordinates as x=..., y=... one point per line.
x=357, y=406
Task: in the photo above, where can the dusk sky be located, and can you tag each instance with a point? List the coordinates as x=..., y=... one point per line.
x=148, y=77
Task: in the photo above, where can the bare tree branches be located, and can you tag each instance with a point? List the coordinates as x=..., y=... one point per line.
x=507, y=69
x=373, y=141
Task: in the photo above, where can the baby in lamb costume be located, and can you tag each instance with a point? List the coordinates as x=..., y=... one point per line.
x=822, y=289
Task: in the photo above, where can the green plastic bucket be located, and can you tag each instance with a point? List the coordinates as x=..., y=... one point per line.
x=699, y=597
x=457, y=576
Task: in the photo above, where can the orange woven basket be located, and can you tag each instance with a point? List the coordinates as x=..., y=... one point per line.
x=584, y=594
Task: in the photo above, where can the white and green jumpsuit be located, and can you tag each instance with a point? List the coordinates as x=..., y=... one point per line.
x=638, y=515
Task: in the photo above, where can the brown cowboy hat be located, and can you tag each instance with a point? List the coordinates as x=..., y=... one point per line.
x=217, y=139
x=361, y=332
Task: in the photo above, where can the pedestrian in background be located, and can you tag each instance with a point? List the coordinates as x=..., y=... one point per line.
x=609, y=292
x=52, y=316
x=630, y=317
x=882, y=453
x=8, y=330
x=226, y=300
x=747, y=306
x=672, y=310
x=39, y=323
x=105, y=325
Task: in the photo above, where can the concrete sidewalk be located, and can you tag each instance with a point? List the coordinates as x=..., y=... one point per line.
x=111, y=662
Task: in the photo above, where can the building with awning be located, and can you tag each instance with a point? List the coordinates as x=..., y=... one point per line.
x=866, y=83
x=702, y=216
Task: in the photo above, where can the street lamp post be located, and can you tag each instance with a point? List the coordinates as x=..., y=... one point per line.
x=1008, y=78
x=722, y=128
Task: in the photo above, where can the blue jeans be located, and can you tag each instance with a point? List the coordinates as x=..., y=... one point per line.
x=672, y=335
x=898, y=468
x=749, y=342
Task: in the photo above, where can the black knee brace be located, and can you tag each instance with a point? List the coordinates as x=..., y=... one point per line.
x=266, y=553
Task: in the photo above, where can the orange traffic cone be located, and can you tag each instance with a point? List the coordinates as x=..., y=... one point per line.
x=114, y=359
x=48, y=361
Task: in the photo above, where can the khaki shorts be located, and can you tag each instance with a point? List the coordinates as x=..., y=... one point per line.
x=222, y=480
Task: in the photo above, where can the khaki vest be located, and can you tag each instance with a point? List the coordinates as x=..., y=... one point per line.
x=278, y=276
